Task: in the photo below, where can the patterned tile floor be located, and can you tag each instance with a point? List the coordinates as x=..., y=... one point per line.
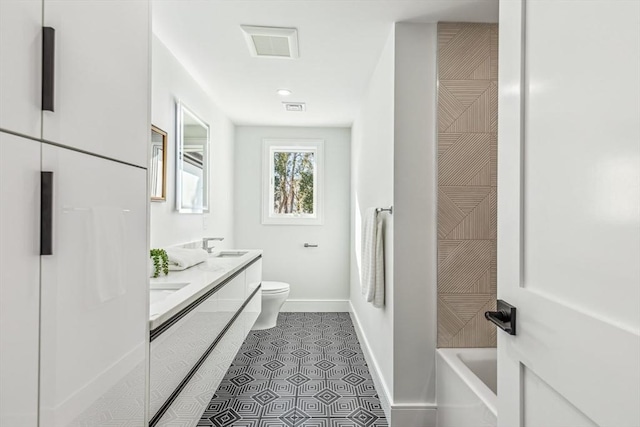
x=307, y=371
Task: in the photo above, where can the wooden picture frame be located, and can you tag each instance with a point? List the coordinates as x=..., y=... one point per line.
x=158, y=165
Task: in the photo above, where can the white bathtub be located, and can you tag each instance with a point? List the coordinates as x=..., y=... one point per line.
x=466, y=384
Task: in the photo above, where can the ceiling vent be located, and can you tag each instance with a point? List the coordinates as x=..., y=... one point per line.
x=295, y=106
x=271, y=42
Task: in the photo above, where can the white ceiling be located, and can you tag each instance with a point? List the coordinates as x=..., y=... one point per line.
x=340, y=44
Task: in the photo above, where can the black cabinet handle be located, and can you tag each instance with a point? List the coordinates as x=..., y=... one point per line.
x=504, y=318
x=46, y=213
x=48, y=66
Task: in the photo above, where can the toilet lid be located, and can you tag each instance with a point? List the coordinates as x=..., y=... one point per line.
x=274, y=287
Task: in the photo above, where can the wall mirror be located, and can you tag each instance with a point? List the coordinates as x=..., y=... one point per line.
x=158, y=166
x=192, y=162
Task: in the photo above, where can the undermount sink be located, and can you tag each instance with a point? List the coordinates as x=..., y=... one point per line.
x=157, y=295
x=230, y=254
x=167, y=286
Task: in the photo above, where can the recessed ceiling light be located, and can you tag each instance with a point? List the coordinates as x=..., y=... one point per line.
x=283, y=92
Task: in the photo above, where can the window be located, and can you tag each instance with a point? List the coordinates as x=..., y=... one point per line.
x=292, y=182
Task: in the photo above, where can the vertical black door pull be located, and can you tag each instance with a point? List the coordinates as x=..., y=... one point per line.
x=46, y=213
x=48, y=66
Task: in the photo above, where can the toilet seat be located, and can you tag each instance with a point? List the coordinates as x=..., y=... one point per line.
x=274, y=287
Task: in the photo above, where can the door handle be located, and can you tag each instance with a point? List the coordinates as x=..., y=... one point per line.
x=309, y=245
x=48, y=66
x=46, y=213
x=504, y=318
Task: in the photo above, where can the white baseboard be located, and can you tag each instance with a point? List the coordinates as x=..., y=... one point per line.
x=414, y=415
x=374, y=369
x=316, y=305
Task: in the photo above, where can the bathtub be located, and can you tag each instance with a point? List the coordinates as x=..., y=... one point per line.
x=466, y=387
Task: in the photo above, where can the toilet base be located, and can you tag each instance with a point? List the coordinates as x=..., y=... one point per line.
x=271, y=305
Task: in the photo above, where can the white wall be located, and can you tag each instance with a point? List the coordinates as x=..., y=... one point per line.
x=372, y=186
x=394, y=162
x=319, y=277
x=415, y=244
x=172, y=82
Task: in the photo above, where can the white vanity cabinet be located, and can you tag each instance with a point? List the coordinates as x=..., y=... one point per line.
x=19, y=280
x=198, y=341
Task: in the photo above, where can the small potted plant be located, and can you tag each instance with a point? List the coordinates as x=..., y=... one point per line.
x=160, y=262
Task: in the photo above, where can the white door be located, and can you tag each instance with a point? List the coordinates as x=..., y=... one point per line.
x=102, y=77
x=20, y=66
x=19, y=280
x=94, y=293
x=569, y=213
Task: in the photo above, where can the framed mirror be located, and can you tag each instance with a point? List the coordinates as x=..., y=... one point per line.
x=158, y=166
x=192, y=162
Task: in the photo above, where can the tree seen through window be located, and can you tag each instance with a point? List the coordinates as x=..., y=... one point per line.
x=293, y=181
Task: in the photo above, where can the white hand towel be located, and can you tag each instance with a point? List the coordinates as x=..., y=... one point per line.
x=372, y=277
x=183, y=258
x=106, y=264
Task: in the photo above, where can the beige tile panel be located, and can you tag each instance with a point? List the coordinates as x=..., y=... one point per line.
x=466, y=198
x=493, y=52
x=467, y=179
x=446, y=32
x=446, y=140
x=483, y=72
x=465, y=91
x=493, y=158
x=449, y=215
x=467, y=268
x=464, y=159
x=466, y=213
x=479, y=223
x=464, y=52
x=449, y=108
x=462, y=323
x=476, y=117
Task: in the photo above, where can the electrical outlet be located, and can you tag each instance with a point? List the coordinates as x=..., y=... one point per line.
x=205, y=222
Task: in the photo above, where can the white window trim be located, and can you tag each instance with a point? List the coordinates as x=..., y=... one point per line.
x=270, y=145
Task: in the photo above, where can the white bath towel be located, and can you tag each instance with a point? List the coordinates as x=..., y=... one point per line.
x=183, y=258
x=106, y=264
x=372, y=275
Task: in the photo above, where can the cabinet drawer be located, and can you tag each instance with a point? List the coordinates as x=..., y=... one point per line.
x=177, y=349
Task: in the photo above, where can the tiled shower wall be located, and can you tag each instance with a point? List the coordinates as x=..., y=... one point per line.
x=467, y=172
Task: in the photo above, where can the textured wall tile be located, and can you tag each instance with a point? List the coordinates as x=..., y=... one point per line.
x=466, y=268
x=464, y=158
x=467, y=180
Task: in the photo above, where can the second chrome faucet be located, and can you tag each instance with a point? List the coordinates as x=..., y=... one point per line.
x=206, y=240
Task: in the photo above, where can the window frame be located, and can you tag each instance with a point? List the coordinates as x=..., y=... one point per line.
x=269, y=147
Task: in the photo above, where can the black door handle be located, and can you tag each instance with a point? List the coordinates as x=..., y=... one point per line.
x=48, y=65
x=46, y=213
x=504, y=318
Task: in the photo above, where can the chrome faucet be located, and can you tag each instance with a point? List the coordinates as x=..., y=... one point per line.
x=206, y=240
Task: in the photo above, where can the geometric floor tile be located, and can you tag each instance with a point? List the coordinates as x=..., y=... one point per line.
x=307, y=371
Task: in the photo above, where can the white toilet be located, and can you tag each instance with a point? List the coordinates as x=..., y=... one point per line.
x=274, y=294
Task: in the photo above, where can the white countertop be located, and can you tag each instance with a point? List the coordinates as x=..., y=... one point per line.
x=193, y=283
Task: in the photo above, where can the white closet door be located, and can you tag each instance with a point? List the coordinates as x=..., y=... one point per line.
x=94, y=333
x=102, y=77
x=19, y=280
x=20, y=66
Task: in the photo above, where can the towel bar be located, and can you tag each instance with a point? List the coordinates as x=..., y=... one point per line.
x=389, y=209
